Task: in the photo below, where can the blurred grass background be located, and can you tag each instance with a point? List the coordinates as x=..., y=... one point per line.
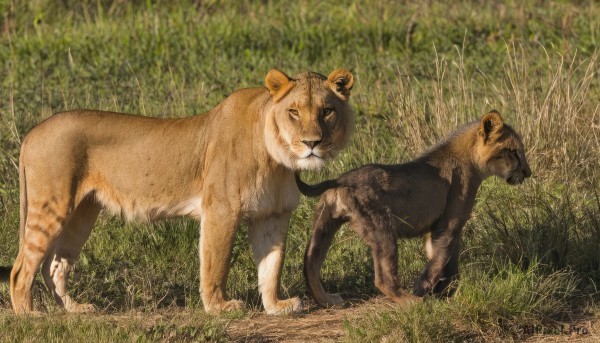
x=530, y=253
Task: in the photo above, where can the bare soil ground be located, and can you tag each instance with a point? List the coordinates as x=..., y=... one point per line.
x=313, y=325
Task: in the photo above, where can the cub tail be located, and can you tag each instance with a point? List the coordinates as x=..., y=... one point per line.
x=5, y=274
x=314, y=190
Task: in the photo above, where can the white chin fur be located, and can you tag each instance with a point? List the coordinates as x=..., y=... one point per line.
x=310, y=163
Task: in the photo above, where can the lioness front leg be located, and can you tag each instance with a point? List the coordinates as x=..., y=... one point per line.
x=267, y=237
x=217, y=233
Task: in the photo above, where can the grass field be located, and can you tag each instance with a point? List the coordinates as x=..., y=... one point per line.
x=531, y=253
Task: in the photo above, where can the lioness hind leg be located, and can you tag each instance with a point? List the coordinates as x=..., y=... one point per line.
x=42, y=226
x=323, y=232
x=267, y=238
x=59, y=263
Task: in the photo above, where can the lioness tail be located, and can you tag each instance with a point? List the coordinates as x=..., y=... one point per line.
x=314, y=190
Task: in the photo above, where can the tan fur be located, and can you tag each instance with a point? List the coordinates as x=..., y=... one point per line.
x=432, y=196
x=232, y=164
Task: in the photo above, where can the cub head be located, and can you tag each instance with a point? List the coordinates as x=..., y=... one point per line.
x=308, y=119
x=499, y=150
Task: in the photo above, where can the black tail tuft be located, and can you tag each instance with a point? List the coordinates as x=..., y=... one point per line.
x=5, y=273
x=314, y=190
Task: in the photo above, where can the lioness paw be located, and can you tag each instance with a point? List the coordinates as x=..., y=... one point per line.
x=82, y=308
x=32, y=313
x=285, y=306
x=231, y=305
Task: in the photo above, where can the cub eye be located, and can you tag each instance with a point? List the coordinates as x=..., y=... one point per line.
x=327, y=111
x=294, y=114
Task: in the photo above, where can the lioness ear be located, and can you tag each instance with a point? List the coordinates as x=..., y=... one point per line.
x=341, y=82
x=278, y=83
x=491, y=123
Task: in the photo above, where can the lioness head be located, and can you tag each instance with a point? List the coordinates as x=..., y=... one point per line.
x=309, y=119
x=499, y=150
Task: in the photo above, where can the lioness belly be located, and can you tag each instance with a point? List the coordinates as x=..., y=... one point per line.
x=150, y=208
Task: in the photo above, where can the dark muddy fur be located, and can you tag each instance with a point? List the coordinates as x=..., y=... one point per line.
x=432, y=195
x=5, y=273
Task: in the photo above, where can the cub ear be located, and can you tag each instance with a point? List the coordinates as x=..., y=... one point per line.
x=491, y=123
x=341, y=82
x=278, y=83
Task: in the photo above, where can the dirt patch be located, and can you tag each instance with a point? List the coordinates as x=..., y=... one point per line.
x=322, y=325
x=312, y=325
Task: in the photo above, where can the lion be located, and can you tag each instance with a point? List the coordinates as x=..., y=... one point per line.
x=432, y=195
x=235, y=163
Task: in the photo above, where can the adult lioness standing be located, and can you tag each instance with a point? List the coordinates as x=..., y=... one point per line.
x=234, y=163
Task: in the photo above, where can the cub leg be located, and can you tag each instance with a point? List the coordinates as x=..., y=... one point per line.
x=267, y=237
x=442, y=268
x=43, y=225
x=217, y=233
x=384, y=249
x=59, y=262
x=446, y=284
x=323, y=232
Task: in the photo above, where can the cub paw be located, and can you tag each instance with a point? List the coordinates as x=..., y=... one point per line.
x=333, y=299
x=422, y=287
x=446, y=287
x=406, y=300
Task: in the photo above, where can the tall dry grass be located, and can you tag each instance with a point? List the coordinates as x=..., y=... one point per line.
x=555, y=108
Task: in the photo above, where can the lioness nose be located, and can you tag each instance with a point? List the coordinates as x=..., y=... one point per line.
x=311, y=144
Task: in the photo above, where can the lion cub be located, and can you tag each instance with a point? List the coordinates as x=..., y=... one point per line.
x=432, y=195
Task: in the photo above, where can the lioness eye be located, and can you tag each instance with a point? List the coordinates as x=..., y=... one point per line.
x=294, y=114
x=327, y=111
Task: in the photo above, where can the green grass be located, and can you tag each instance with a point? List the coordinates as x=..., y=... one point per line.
x=487, y=305
x=133, y=327
x=530, y=253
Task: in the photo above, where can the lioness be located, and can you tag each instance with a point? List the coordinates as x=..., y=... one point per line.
x=233, y=164
x=431, y=195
